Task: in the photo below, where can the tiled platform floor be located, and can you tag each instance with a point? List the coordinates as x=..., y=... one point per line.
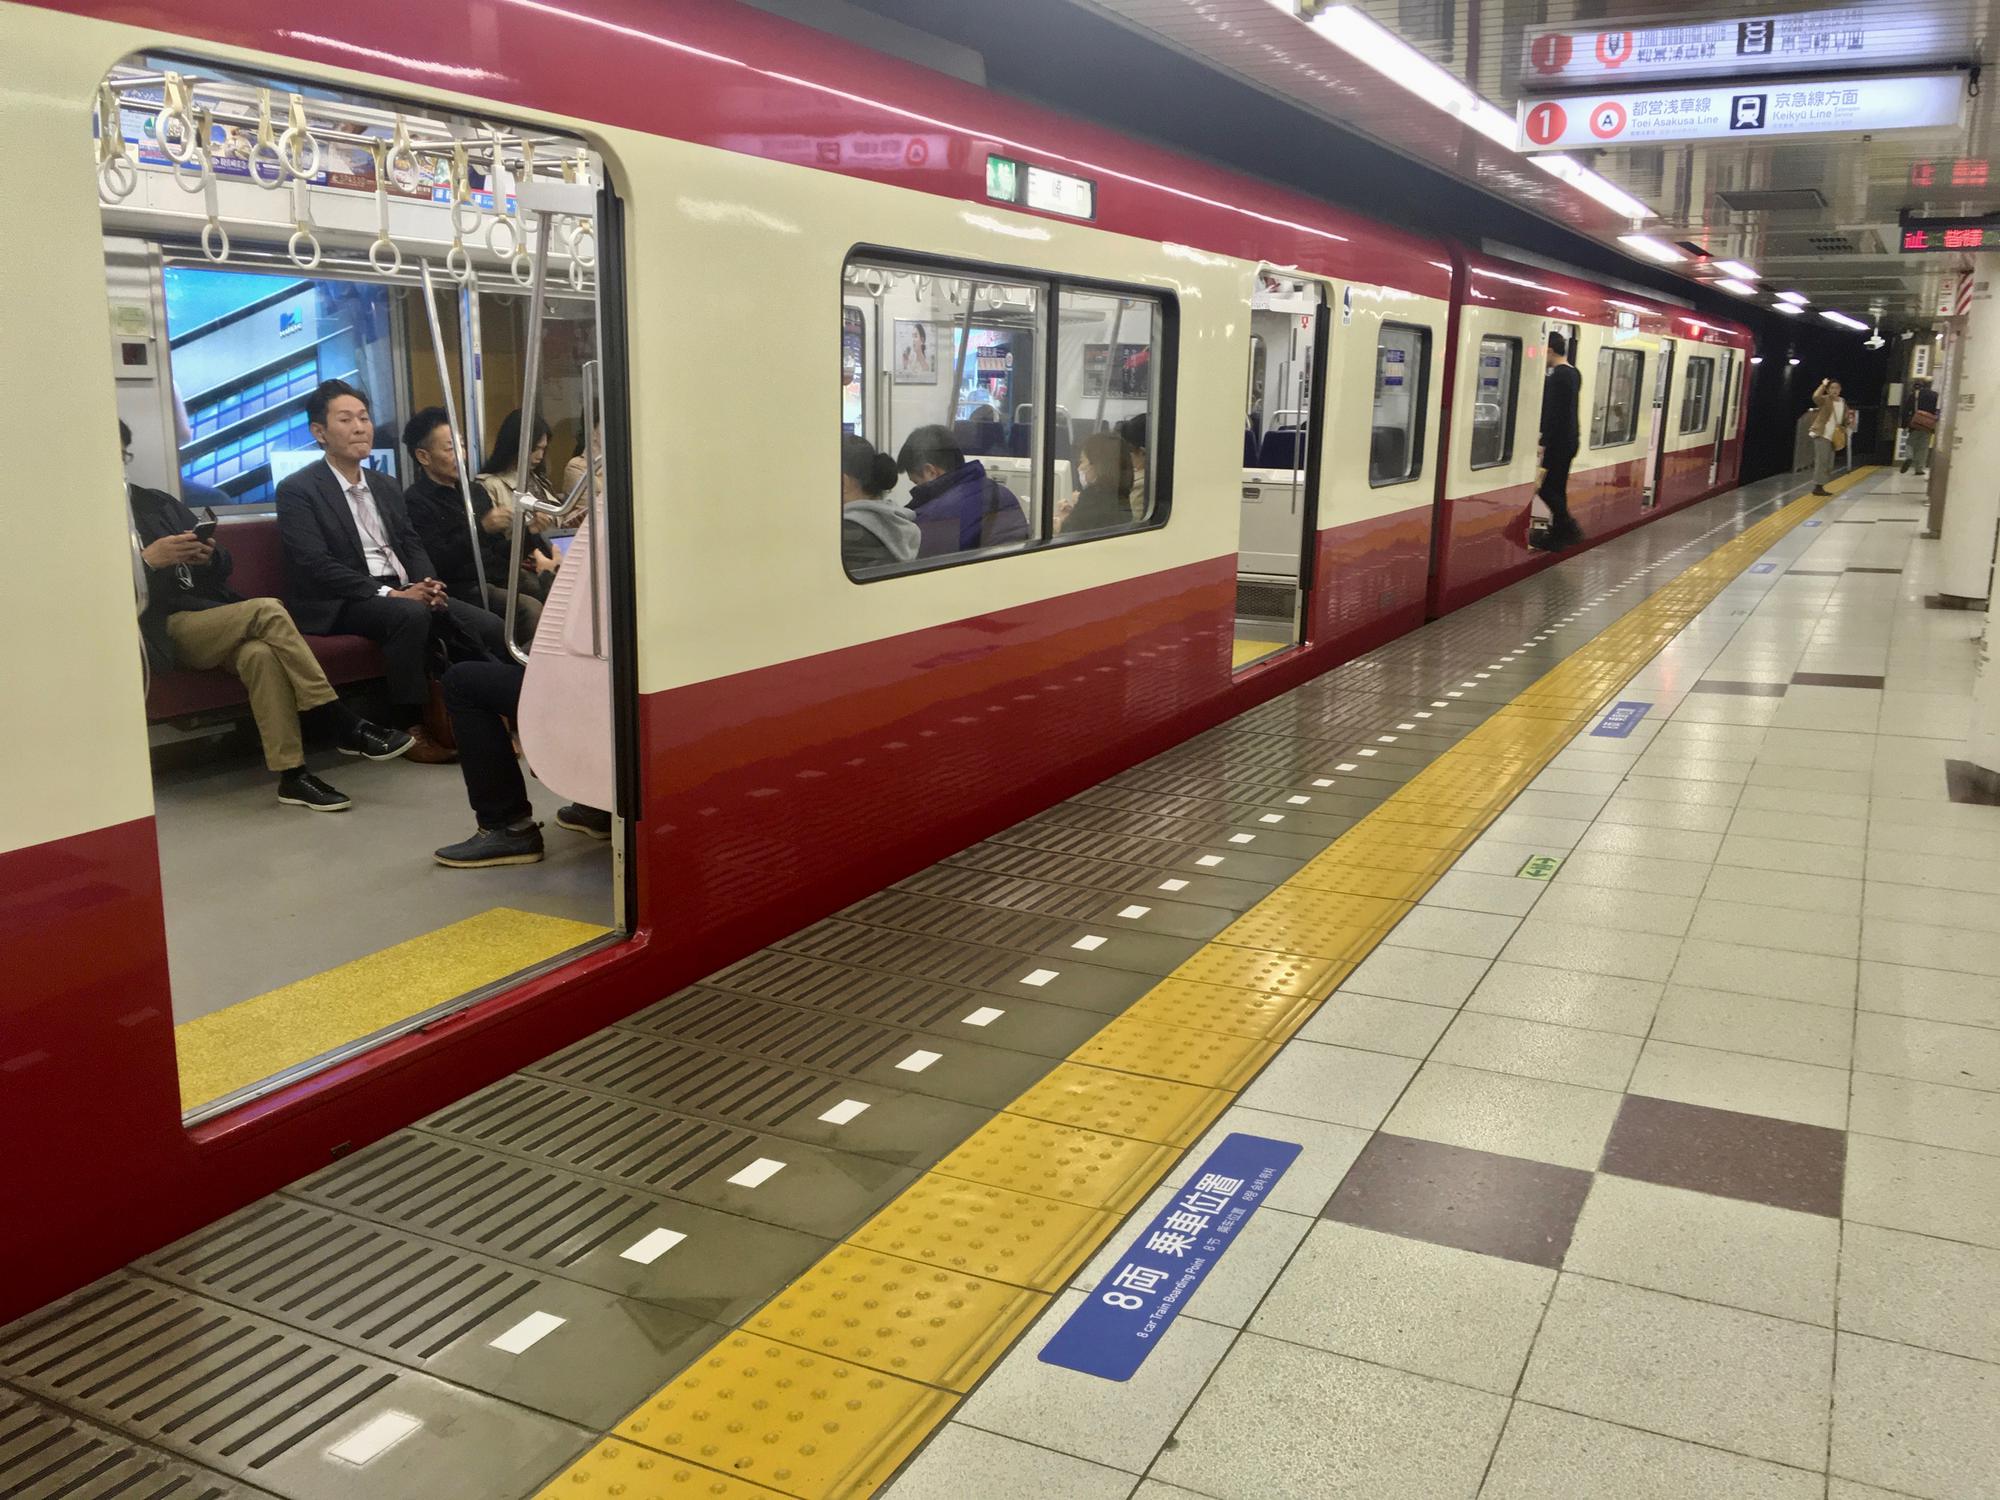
x=1677, y=1175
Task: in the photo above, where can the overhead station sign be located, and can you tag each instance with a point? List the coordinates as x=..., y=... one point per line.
x=1742, y=112
x=1942, y=236
x=1870, y=34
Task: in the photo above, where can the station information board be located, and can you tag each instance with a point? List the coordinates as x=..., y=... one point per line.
x=1743, y=112
x=1935, y=236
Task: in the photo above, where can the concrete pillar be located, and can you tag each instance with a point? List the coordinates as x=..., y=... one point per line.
x=1971, y=429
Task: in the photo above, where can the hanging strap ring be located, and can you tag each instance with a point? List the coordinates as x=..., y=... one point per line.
x=386, y=256
x=523, y=268
x=303, y=235
x=404, y=169
x=457, y=263
x=266, y=148
x=116, y=177
x=298, y=146
x=116, y=173
x=586, y=236
x=505, y=228
x=215, y=241
x=204, y=159
x=174, y=125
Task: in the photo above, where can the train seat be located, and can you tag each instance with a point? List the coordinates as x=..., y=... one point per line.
x=259, y=571
x=1280, y=449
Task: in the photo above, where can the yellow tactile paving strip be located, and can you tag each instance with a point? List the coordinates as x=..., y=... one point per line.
x=833, y=1384
x=258, y=1038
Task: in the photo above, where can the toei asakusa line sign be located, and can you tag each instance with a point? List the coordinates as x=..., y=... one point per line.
x=1742, y=112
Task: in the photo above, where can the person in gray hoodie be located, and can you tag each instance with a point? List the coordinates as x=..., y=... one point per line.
x=874, y=532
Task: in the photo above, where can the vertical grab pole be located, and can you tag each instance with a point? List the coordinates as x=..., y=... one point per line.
x=958, y=364
x=591, y=459
x=531, y=383
x=472, y=364
x=451, y=416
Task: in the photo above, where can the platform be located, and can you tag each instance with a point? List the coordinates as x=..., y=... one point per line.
x=1611, y=949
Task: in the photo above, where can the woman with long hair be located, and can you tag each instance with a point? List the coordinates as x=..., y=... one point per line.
x=493, y=497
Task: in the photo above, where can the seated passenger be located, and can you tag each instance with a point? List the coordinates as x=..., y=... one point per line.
x=437, y=507
x=873, y=532
x=194, y=619
x=481, y=697
x=354, y=564
x=493, y=503
x=1104, y=465
x=955, y=505
x=1133, y=430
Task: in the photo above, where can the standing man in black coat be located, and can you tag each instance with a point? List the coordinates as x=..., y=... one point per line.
x=1561, y=391
x=354, y=563
x=194, y=619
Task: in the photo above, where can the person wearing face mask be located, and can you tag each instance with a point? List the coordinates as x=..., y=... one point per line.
x=1828, y=430
x=874, y=532
x=1104, y=470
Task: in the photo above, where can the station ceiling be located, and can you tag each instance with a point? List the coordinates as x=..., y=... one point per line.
x=1821, y=215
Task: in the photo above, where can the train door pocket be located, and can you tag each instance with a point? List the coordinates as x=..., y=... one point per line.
x=457, y=277
x=1656, y=437
x=1278, y=499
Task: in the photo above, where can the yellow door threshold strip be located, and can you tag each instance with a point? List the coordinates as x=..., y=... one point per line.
x=825, y=1392
x=259, y=1038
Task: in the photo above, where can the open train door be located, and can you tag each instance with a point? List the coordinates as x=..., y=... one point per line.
x=1277, y=522
x=1656, y=437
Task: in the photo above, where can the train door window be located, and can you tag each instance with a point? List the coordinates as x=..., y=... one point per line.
x=1495, y=399
x=1402, y=382
x=1275, y=528
x=1107, y=379
x=1614, y=411
x=1697, y=393
x=444, y=277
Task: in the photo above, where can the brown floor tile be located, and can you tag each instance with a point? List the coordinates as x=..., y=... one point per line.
x=1815, y=572
x=1740, y=689
x=1752, y=1157
x=1473, y=1200
x=1834, y=679
x=1966, y=782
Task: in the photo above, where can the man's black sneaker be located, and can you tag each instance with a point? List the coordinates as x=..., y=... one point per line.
x=301, y=788
x=375, y=742
x=521, y=845
x=587, y=820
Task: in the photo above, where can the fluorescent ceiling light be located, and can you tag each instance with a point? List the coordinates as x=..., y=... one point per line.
x=1585, y=181
x=1786, y=307
x=1741, y=288
x=1756, y=359
x=1652, y=248
x=1734, y=268
x=1844, y=321
x=1799, y=299
x=1399, y=62
x=1793, y=360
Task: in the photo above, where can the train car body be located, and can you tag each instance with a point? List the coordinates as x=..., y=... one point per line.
x=789, y=737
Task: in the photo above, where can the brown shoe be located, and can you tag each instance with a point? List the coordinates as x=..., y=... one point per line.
x=428, y=752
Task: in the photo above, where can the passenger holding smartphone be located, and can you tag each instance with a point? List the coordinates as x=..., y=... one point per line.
x=194, y=619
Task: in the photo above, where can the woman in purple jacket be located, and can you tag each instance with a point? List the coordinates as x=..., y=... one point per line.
x=955, y=504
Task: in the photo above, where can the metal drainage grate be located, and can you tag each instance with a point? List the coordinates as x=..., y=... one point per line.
x=47, y=1454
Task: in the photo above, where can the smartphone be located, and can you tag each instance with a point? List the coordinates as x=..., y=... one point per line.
x=204, y=529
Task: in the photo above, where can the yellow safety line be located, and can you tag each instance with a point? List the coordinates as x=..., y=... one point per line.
x=827, y=1390
x=258, y=1038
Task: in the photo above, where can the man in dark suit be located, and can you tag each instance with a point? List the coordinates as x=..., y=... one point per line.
x=355, y=565
x=194, y=619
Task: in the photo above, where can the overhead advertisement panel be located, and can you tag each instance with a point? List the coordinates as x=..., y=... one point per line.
x=1744, y=112
x=1870, y=34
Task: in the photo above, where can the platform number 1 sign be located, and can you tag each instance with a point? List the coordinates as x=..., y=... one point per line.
x=1546, y=123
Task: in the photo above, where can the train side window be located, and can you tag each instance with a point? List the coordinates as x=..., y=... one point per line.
x=992, y=433
x=1402, y=384
x=1697, y=394
x=1107, y=380
x=1614, y=415
x=1494, y=401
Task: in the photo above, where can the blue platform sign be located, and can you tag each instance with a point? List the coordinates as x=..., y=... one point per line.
x=1621, y=721
x=1812, y=523
x=1763, y=567
x=1129, y=1311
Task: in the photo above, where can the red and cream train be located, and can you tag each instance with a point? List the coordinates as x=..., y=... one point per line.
x=789, y=738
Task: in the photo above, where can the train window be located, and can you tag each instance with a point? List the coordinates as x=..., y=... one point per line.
x=1107, y=378
x=379, y=318
x=853, y=370
x=1402, y=382
x=1614, y=416
x=1494, y=399
x=1696, y=395
x=993, y=435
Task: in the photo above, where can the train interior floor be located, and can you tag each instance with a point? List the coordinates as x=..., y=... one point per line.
x=1605, y=973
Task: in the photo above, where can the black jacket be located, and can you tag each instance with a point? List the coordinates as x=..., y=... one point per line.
x=1560, y=388
x=1915, y=400
x=1098, y=508
x=172, y=591
x=324, y=568
x=438, y=513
